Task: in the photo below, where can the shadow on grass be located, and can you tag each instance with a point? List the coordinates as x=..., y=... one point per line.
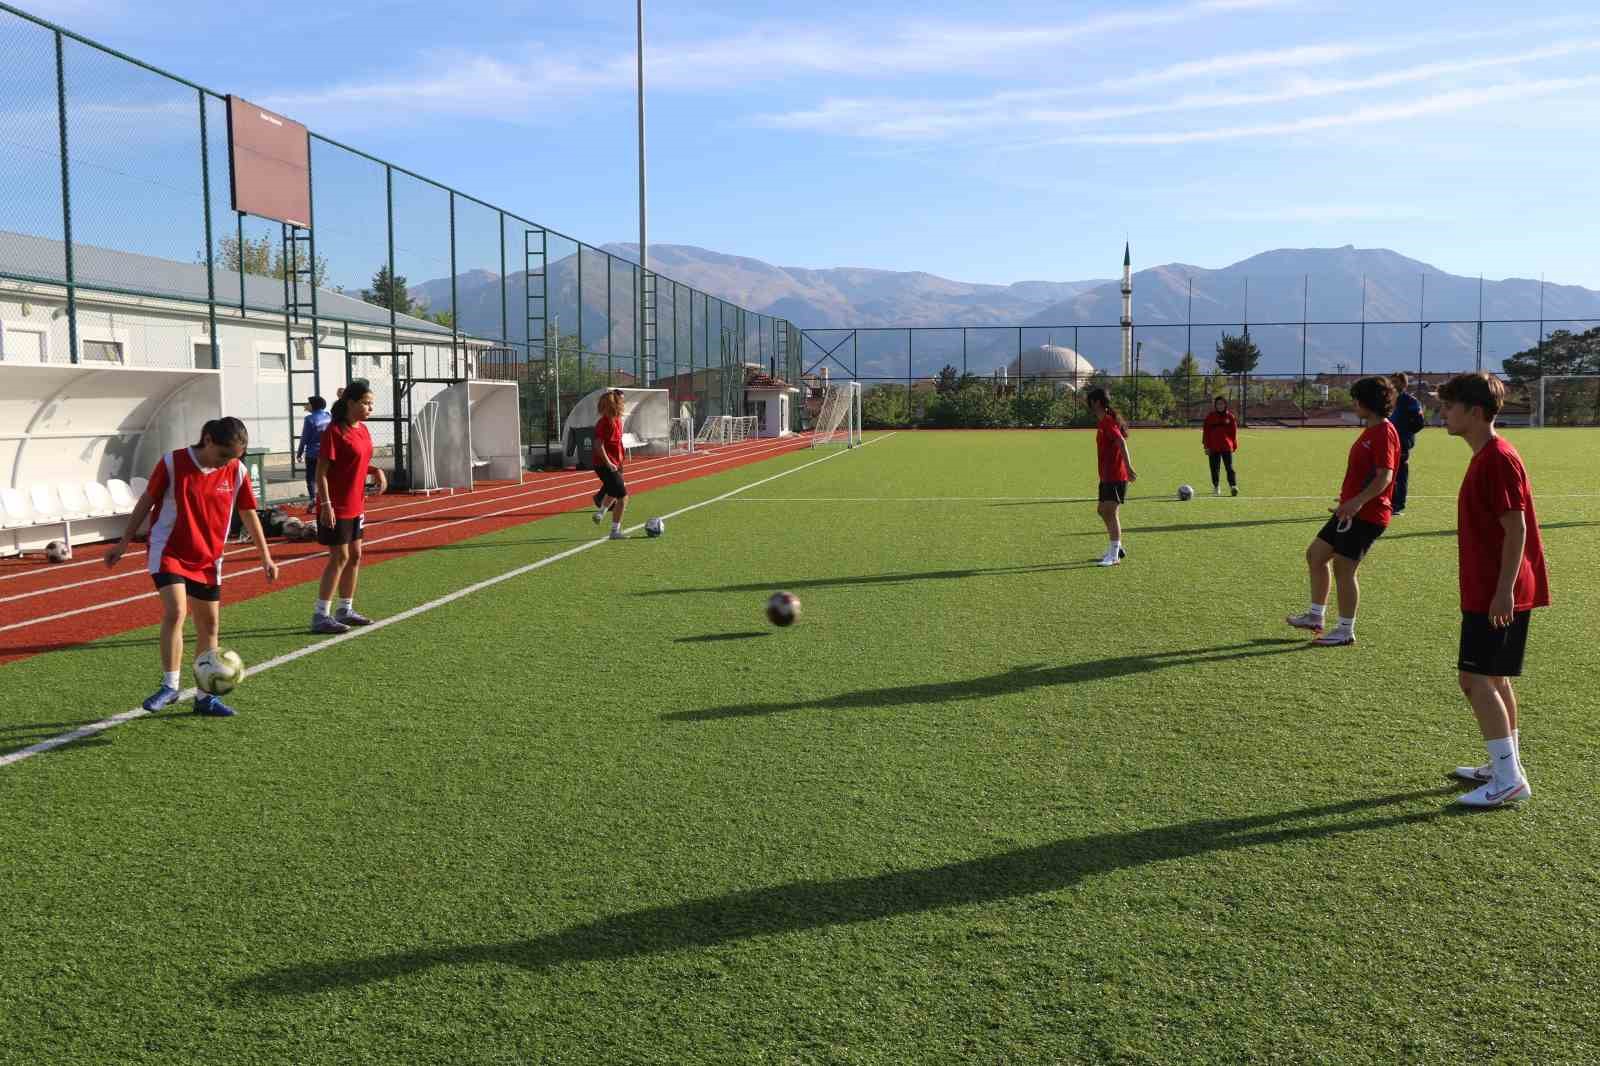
x=875, y=579
x=1017, y=679
x=15, y=737
x=807, y=905
x=1200, y=527
x=709, y=638
x=1543, y=527
x=140, y=642
x=467, y=547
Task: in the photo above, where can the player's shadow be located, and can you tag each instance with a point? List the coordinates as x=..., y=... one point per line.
x=1017, y=679
x=711, y=638
x=1543, y=526
x=1200, y=527
x=872, y=579
x=151, y=641
x=806, y=905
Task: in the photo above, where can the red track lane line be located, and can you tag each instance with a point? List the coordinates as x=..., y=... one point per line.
x=49, y=577
x=83, y=624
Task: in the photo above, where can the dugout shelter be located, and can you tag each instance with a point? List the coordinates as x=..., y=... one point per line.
x=469, y=431
x=646, y=425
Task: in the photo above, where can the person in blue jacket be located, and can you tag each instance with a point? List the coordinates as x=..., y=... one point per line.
x=316, y=420
x=1408, y=422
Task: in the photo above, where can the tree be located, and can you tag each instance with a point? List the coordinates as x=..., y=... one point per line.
x=262, y=257
x=1563, y=352
x=389, y=292
x=1145, y=397
x=885, y=407
x=948, y=380
x=1187, y=379
x=1237, y=355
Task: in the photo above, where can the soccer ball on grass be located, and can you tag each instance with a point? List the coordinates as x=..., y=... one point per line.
x=783, y=609
x=218, y=671
x=655, y=527
x=1185, y=492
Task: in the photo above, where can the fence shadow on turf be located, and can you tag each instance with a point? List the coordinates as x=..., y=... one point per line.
x=874, y=579
x=1016, y=679
x=1451, y=532
x=92, y=644
x=806, y=905
x=1200, y=527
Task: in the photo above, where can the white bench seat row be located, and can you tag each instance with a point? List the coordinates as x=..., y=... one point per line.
x=69, y=501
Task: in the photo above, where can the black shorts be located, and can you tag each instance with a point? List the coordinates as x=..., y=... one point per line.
x=194, y=589
x=1113, y=492
x=611, y=483
x=1353, y=543
x=1490, y=651
x=344, y=531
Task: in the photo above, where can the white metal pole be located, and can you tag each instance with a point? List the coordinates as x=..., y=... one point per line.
x=644, y=253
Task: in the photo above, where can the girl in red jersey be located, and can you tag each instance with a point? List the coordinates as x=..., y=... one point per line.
x=1360, y=518
x=613, y=494
x=1116, y=470
x=194, y=492
x=343, y=463
x=1502, y=577
x=1220, y=439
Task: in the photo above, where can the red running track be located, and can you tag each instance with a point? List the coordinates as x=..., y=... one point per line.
x=46, y=608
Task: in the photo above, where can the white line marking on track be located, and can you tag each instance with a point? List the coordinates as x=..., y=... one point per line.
x=115, y=720
x=522, y=500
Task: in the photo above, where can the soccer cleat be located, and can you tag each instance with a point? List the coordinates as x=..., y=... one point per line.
x=1234, y=489
x=351, y=618
x=1475, y=774
x=161, y=697
x=617, y=534
x=211, y=707
x=1306, y=620
x=598, y=516
x=1216, y=490
x=1337, y=637
x=1111, y=558
x=1491, y=794
x=327, y=626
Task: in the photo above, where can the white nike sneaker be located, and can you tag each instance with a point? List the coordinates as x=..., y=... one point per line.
x=1490, y=794
x=1111, y=558
x=1475, y=774
x=1306, y=620
x=1337, y=637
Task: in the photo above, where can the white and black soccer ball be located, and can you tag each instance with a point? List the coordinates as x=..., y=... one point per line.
x=293, y=529
x=655, y=527
x=783, y=609
x=58, y=551
x=218, y=671
x=1185, y=492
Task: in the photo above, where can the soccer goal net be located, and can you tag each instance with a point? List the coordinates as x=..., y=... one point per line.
x=1568, y=400
x=726, y=429
x=839, y=420
x=681, y=434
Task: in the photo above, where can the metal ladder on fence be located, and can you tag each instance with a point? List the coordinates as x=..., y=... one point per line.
x=541, y=357
x=299, y=258
x=647, y=329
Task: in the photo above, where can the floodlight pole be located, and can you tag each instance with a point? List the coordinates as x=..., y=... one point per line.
x=644, y=255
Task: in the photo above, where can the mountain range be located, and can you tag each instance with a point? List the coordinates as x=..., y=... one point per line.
x=1330, y=288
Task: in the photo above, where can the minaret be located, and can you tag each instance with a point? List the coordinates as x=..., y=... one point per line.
x=1127, y=312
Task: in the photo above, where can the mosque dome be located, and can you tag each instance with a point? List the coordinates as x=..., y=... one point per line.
x=1053, y=362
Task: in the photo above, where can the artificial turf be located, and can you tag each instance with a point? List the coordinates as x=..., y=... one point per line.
x=987, y=802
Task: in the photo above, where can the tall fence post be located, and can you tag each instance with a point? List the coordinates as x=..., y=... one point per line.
x=66, y=201
x=211, y=263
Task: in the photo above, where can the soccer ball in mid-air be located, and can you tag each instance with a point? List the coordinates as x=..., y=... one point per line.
x=58, y=551
x=1185, y=492
x=217, y=671
x=655, y=527
x=783, y=609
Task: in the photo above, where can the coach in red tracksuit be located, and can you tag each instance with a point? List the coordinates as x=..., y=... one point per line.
x=1220, y=438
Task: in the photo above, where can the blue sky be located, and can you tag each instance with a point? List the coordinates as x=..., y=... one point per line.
x=976, y=141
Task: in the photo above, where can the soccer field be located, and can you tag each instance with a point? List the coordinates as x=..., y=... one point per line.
x=986, y=802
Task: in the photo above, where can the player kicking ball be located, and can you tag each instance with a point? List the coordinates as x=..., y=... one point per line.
x=1360, y=518
x=1502, y=576
x=613, y=493
x=193, y=493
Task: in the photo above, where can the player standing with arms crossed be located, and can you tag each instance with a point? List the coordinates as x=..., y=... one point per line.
x=1360, y=518
x=343, y=464
x=1116, y=470
x=1503, y=578
x=193, y=492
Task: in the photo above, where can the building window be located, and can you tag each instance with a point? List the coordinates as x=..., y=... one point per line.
x=202, y=356
x=272, y=362
x=23, y=346
x=102, y=352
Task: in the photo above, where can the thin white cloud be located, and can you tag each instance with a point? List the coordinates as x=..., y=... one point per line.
x=1317, y=213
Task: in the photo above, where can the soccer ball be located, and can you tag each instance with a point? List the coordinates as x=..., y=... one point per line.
x=655, y=527
x=217, y=671
x=58, y=551
x=293, y=529
x=783, y=609
x=1185, y=492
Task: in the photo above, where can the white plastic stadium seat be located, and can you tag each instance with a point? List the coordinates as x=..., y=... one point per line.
x=629, y=443
x=15, y=511
x=74, y=504
x=46, y=504
x=123, y=498
x=99, y=498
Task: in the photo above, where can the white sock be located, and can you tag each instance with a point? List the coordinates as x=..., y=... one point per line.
x=347, y=603
x=1116, y=546
x=169, y=678
x=1516, y=742
x=1317, y=610
x=1347, y=624
x=1503, y=760
x=322, y=607
x=616, y=527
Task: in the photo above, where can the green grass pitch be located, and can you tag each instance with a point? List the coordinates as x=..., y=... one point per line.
x=985, y=803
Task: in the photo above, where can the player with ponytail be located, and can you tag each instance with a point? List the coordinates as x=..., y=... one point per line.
x=1116, y=470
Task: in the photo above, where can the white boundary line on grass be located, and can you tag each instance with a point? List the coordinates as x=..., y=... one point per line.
x=115, y=720
x=1198, y=498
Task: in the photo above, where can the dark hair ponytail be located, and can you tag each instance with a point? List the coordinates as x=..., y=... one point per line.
x=223, y=431
x=1100, y=396
x=357, y=388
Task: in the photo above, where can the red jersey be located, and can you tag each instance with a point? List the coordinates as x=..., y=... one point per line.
x=1221, y=432
x=608, y=440
x=1378, y=448
x=348, y=450
x=1497, y=484
x=194, y=507
x=1108, y=438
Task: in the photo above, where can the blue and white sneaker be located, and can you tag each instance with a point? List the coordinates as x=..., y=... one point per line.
x=212, y=707
x=164, y=696
x=351, y=618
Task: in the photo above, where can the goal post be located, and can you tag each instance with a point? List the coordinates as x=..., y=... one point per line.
x=839, y=419
x=1567, y=400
